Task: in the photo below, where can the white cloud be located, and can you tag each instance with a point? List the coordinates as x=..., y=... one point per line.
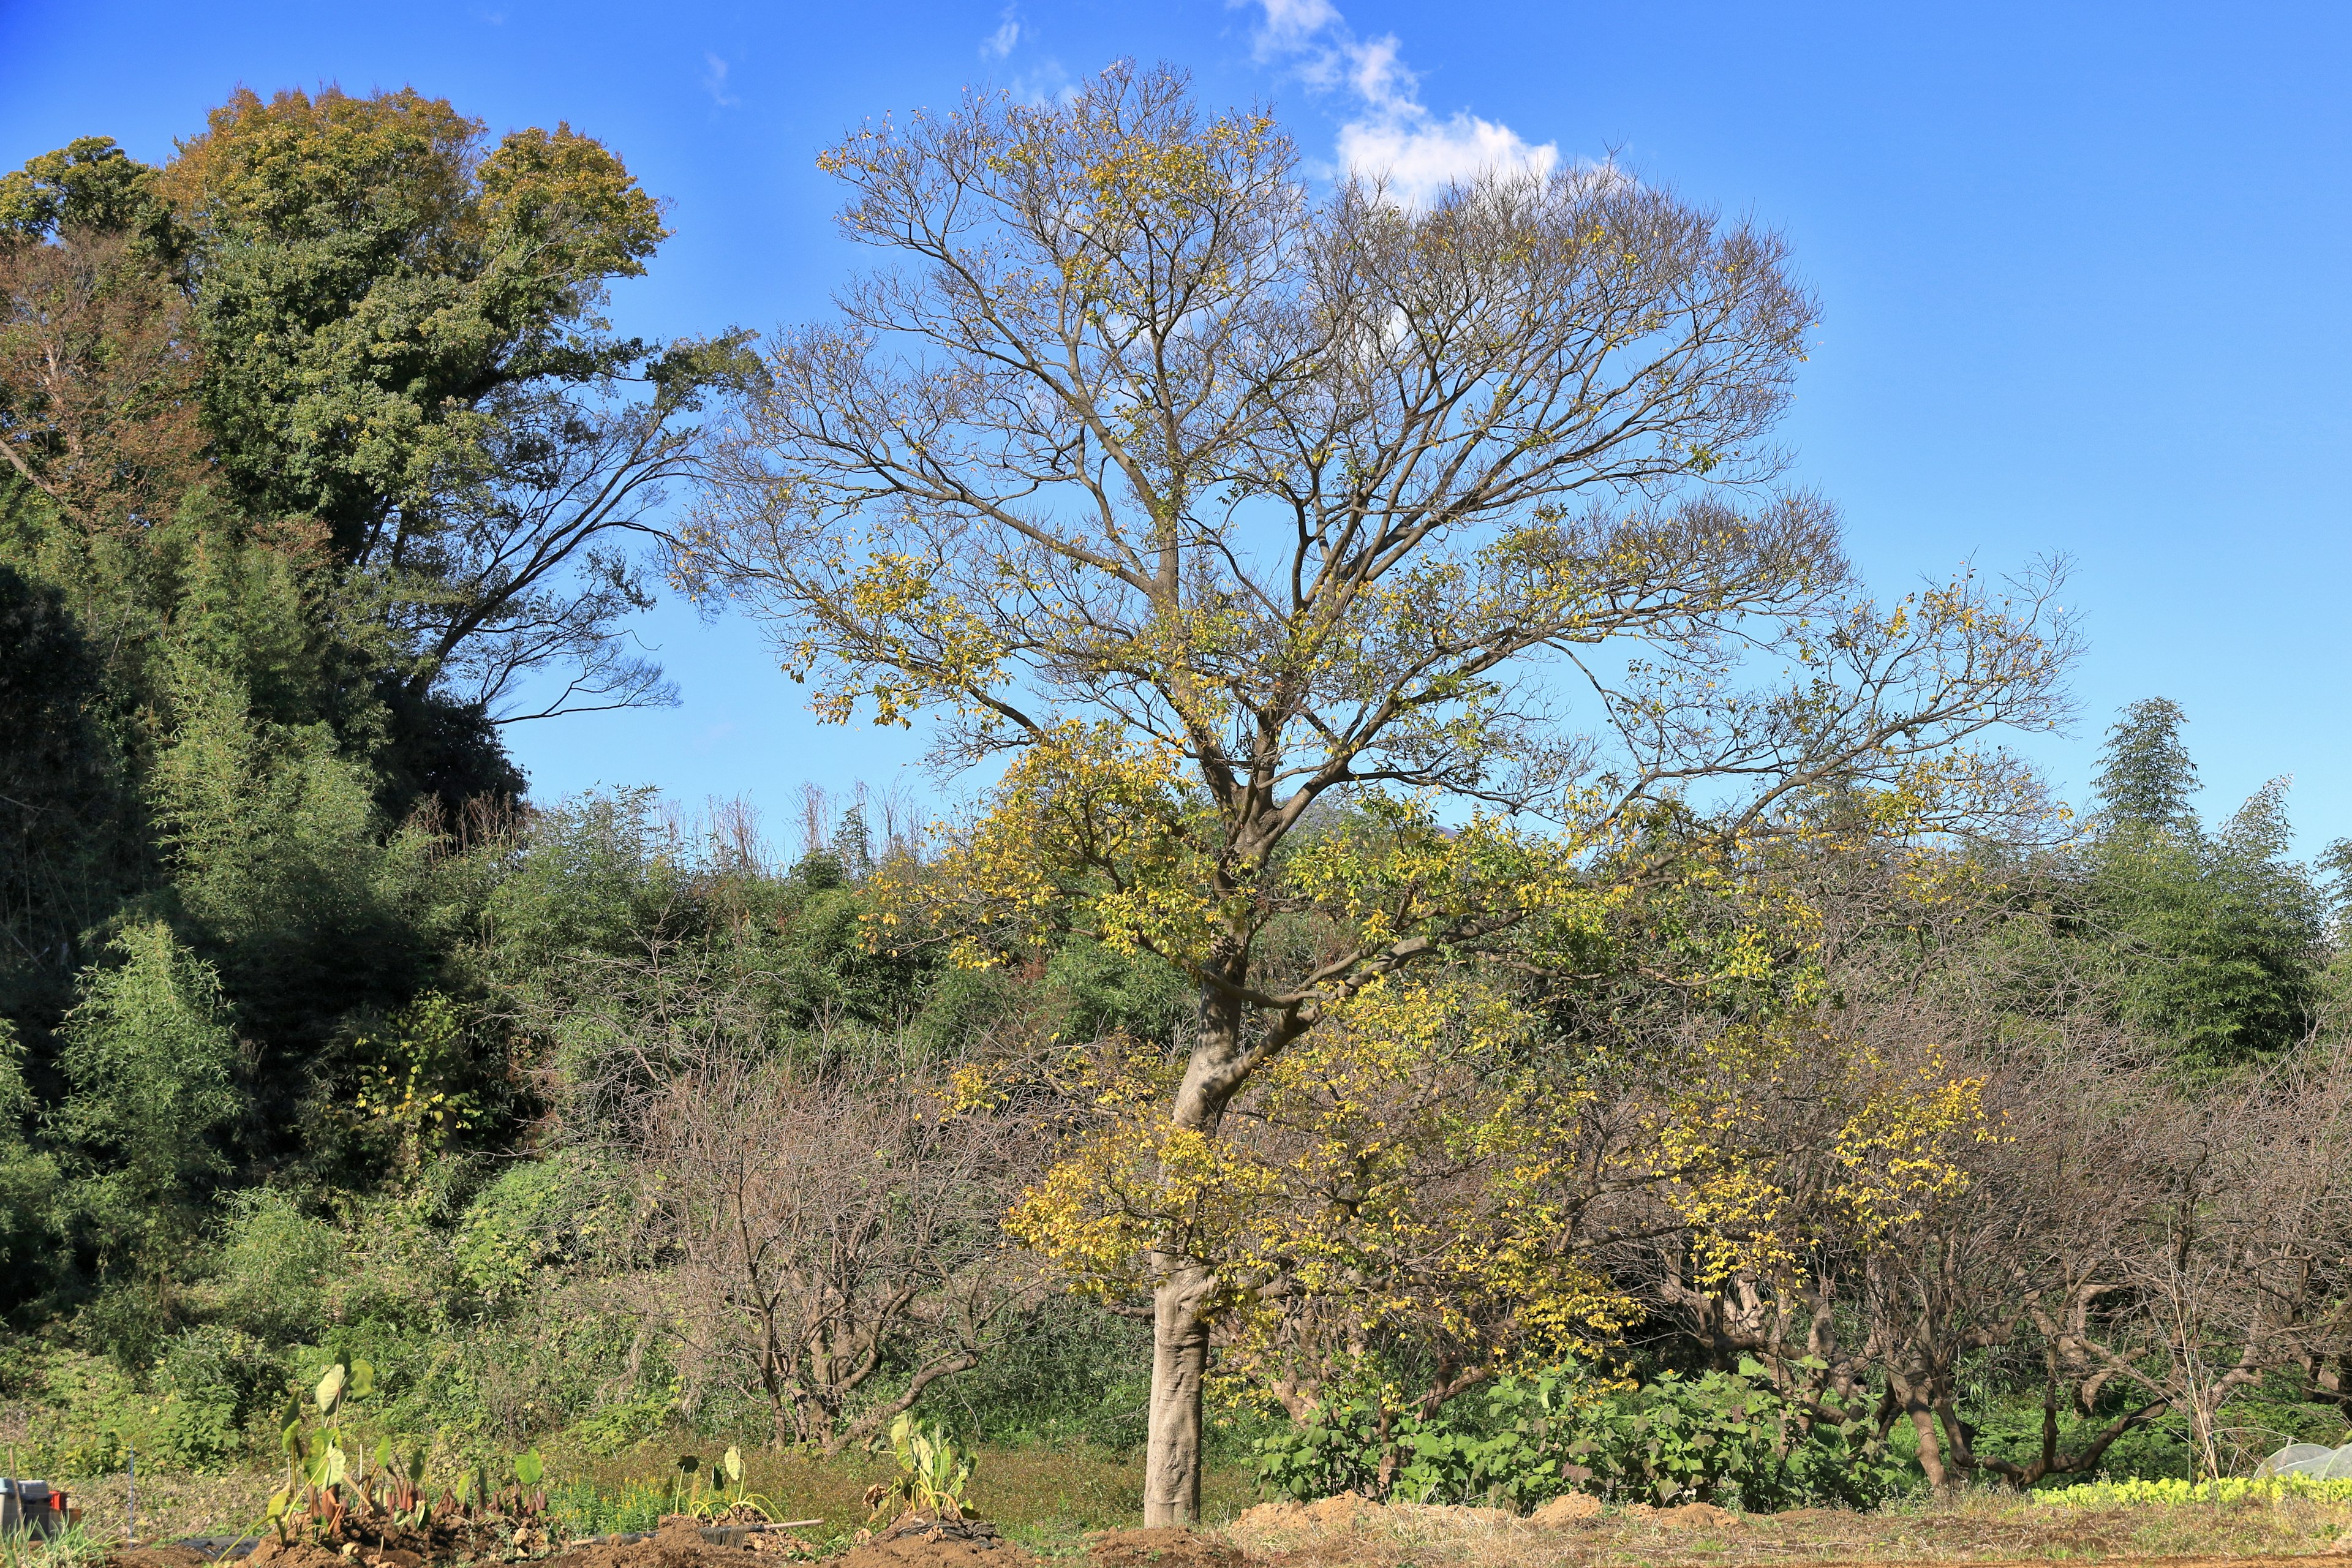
x=1419, y=156
x=714, y=82
x=1008, y=33
x=1292, y=24
x=1393, y=138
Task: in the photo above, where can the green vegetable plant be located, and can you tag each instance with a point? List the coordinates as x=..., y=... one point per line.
x=933, y=1473
x=691, y=1493
x=2179, y=1492
x=323, y=1498
x=317, y=1462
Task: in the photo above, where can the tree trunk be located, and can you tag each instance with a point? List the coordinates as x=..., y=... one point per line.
x=1186, y=1286
x=1919, y=1403
x=1180, y=1360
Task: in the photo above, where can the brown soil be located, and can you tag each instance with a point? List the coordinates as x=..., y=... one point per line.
x=272, y=1553
x=1163, y=1548
x=1352, y=1511
x=1687, y=1516
x=1984, y=1532
x=918, y=1541
x=159, y=1557
x=1569, y=1508
x=678, y=1544
x=1350, y=1531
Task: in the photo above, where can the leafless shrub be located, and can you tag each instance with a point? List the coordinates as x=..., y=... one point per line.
x=2237, y=1265
x=827, y=1243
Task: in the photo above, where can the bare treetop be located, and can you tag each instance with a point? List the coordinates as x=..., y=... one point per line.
x=1137, y=424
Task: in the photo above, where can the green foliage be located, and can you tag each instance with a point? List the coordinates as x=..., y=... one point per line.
x=151, y=1062
x=2146, y=776
x=275, y=851
x=275, y=1266
x=539, y=1215
x=61, y=796
x=2227, y=1489
x=1727, y=1436
x=933, y=1473
x=1096, y=991
x=586, y=1509
x=2214, y=937
x=620, y=1424
x=28, y=1175
x=88, y=184
x=713, y=1489
x=373, y=284
x=184, y=1409
x=215, y=1383
x=1724, y=1438
x=1068, y=1370
x=417, y=1086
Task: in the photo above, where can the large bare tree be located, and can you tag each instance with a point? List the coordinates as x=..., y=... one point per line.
x=1216, y=500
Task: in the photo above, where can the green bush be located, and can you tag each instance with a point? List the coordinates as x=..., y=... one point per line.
x=585, y=1510
x=1722, y=1437
x=275, y=1266
x=1068, y=1369
x=1726, y=1436
x=616, y=1425
x=538, y=1214
x=214, y=1381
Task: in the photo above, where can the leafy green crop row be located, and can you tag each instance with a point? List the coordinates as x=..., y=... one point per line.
x=2228, y=1489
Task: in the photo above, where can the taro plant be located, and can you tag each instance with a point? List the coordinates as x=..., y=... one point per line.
x=933, y=1473
x=526, y=1501
x=323, y=1492
x=712, y=1498
x=317, y=1463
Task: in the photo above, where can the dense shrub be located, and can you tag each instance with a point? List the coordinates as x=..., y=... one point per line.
x=1723, y=1437
x=215, y=1382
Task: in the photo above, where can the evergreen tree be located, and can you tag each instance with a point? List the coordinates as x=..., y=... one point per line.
x=2145, y=774
x=2215, y=936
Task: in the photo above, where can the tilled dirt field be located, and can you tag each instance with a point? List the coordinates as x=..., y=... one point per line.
x=1349, y=1531
x=1988, y=1531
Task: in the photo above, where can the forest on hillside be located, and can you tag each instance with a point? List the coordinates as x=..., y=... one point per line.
x=1468, y=919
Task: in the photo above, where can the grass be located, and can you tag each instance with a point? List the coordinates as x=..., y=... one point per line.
x=171, y=1507
x=73, y=1549
x=1038, y=1496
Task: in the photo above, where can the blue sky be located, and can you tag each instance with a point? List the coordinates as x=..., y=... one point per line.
x=2083, y=268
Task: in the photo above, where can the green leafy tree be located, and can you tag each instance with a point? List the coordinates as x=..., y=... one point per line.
x=67, y=851
x=28, y=1178
x=2216, y=936
x=150, y=1061
x=2146, y=776
x=404, y=341
x=88, y=186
